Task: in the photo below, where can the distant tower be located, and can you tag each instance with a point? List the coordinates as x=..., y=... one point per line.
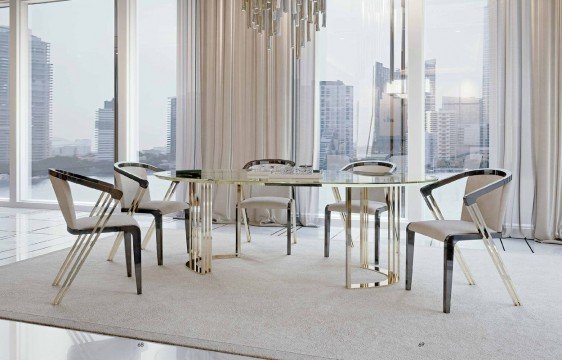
x=486, y=85
x=4, y=104
x=105, y=123
x=430, y=68
x=336, y=121
x=171, y=140
x=382, y=77
x=41, y=98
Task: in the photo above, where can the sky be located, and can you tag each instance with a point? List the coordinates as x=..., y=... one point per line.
x=81, y=36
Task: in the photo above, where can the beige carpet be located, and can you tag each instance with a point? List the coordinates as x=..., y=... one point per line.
x=267, y=304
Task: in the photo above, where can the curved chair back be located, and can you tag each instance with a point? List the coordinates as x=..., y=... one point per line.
x=371, y=168
x=129, y=177
x=253, y=163
x=281, y=191
x=64, y=198
x=492, y=205
x=60, y=181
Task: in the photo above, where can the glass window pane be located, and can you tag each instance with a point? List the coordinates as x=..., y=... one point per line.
x=72, y=89
x=361, y=85
x=4, y=104
x=157, y=49
x=457, y=82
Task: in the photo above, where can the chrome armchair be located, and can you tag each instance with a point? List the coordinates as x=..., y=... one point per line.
x=485, y=201
x=267, y=202
x=89, y=229
x=131, y=178
x=375, y=205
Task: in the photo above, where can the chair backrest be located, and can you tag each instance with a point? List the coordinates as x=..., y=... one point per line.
x=280, y=191
x=128, y=185
x=280, y=162
x=370, y=168
x=64, y=198
x=492, y=205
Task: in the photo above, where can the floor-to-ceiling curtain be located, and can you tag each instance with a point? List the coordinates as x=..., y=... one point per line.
x=245, y=96
x=510, y=108
x=525, y=112
x=547, y=117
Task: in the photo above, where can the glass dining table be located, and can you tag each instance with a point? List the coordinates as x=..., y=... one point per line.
x=200, y=185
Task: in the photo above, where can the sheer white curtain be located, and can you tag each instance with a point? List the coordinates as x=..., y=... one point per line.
x=244, y=98
x=547, y=117
x=525, y=112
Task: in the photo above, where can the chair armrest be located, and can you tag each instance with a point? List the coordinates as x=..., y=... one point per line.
x=118, y=167
x=471, y=198
x=87, y=182
x=428, y=189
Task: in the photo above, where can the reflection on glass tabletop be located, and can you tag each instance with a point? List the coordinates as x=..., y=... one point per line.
x=318, y=178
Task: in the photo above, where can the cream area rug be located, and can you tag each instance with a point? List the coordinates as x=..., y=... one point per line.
x=269, y=305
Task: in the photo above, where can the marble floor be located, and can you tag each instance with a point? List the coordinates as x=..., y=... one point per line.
x=26, y=233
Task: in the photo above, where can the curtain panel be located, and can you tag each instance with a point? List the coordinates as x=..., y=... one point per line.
x=246, y=101
x=547, y=118
x=526, y=62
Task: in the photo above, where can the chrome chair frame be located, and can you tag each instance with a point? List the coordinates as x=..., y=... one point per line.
x=134, y=207
x=364, y=221
x=291, y=208
x=451, y=250
x=87, y=238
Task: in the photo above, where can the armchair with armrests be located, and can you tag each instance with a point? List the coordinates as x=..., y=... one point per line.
x=267, y=202
x=483, y=212
x=131, y=178
x=89, y=229
x=376, y=200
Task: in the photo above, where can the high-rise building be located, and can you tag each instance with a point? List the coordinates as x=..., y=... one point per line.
x=171, y=139
x=336, y=121
x=4, y=99
x=105, y=125
x=447, y=135
x=430, y=68
x=486, y=84
x=41, y=83
x=41, y=98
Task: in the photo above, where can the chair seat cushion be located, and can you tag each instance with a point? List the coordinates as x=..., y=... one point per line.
x=87, y=223
x=164, y=207
x=372, y=207
x=441, y=229
x=265, y=202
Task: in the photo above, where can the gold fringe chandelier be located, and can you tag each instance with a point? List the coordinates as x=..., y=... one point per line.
x=306, y=16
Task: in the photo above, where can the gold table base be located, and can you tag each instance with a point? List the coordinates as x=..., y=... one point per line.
x=391, y=278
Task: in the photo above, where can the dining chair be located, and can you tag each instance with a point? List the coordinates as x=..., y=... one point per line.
x=132, y=179
x=267, y=202
x=376, y=200
x=484, y=206
x=89, y=228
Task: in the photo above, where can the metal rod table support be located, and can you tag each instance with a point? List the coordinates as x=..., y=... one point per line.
x=392, y=272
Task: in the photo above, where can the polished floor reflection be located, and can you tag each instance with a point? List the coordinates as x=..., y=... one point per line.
x=26, y=233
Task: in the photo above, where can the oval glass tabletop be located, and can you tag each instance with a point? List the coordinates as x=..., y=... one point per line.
x=318, y=178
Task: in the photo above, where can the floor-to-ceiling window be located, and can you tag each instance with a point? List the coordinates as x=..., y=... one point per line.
x=4, y=103
x=71, y=82
x=360, y=85
x=457, y=89
x=157, y=54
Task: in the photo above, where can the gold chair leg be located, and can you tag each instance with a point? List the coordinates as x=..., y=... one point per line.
x=294, y=221
x=246, y=225
x=148, y=235
x=464, y=266
x=478, y=219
